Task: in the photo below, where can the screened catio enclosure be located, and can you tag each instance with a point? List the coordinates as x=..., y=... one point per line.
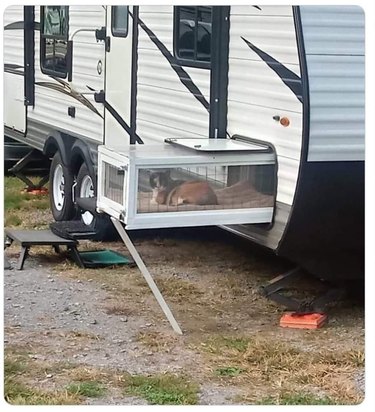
x=174, y=185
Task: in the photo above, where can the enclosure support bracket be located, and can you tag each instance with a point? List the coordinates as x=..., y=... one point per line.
x=146, y=274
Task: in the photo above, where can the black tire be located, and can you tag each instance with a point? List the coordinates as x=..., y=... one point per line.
x=60, y=199
x=86, y=187
x=98, y=222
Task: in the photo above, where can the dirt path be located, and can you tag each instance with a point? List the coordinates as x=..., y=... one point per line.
x=108, y=320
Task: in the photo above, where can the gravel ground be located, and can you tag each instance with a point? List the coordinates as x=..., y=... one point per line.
x=45, y=309
x=65, y=318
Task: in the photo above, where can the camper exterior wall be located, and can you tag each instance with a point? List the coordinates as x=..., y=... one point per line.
x=334, y=40
x=257, y=93
x=325, y=231
x=51, y=106
x=14, y=62
x=163, y=102
x=119, y=67
x=265, y=81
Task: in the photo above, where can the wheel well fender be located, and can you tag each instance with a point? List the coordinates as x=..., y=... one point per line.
x=57, y=142
x=81, y=152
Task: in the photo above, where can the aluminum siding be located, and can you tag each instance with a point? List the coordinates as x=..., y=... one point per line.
x=51, y=106
x=334, y=40
x=13, y=83
x=165, y=107
x=256, y=94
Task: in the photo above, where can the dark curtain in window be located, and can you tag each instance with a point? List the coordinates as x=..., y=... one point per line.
x=193, y=31
x=54, y=40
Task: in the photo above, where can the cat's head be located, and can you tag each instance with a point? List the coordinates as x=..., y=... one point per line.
x=160, y=179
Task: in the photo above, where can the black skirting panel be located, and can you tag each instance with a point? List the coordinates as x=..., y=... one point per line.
x=325, y=233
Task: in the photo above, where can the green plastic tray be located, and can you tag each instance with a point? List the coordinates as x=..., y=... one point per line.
x=103, y=258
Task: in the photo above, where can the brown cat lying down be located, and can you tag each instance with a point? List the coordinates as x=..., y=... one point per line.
x=167, y=191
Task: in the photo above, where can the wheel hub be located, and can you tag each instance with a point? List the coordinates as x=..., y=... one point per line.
x=87, y=190
x=58, y=188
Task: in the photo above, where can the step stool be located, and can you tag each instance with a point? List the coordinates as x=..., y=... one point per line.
x=28, y=238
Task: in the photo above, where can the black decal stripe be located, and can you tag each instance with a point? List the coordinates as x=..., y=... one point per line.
x=14, y=69
x=134, y=88
x=287, y=76
x=257, y=7
x=17, y=72
x=66, y=89
x=18, y=25
x=29, y=54
x=219, y=72
x=12, y=66
x=122, y=123
x=184, y=77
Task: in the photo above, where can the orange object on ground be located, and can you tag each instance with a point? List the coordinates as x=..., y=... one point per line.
x=41, y=191
x=303, y=320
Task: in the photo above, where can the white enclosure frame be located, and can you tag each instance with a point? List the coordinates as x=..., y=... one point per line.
x=131, y=160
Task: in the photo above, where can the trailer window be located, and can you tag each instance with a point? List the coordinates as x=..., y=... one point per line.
x=192, y=35
x=120, y=21
x=54, y=40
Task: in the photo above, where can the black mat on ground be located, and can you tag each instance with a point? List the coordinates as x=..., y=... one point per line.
x=73, y=229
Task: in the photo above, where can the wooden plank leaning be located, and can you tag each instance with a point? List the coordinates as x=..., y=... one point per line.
x=146, y=274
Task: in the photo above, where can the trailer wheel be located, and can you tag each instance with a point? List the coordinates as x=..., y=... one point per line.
x=85, y=188
x=98, y=222
x=60, y=190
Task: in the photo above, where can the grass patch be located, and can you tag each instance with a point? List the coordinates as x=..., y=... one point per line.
x=90, y=389
x=230, y=371
x=91, y=374
x=13, y=220
x=81, y=335
x=23, y=209
x=19, y=362
x=179, y=290
x=280, y=366
x=218, y=344
x=118, y=282
x=14, y=201
x=14, y=366
x=117, y=308
x=21, y=369
x=357, y=357
x=16, y=198
x=162, y=389
x=297, y=399
x=17, y=393
x=39, y=202
x=156, y=341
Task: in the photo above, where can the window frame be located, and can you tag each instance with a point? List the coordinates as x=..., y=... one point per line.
x=183, y=61
x=42, y=45
x=117, y=32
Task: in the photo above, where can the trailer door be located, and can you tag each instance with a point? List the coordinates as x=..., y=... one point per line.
x=118, y=74
x=14, y=94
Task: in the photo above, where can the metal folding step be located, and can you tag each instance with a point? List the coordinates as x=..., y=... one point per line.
x=72, y=229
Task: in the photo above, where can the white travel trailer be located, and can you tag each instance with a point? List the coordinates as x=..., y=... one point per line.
x=261, y=106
